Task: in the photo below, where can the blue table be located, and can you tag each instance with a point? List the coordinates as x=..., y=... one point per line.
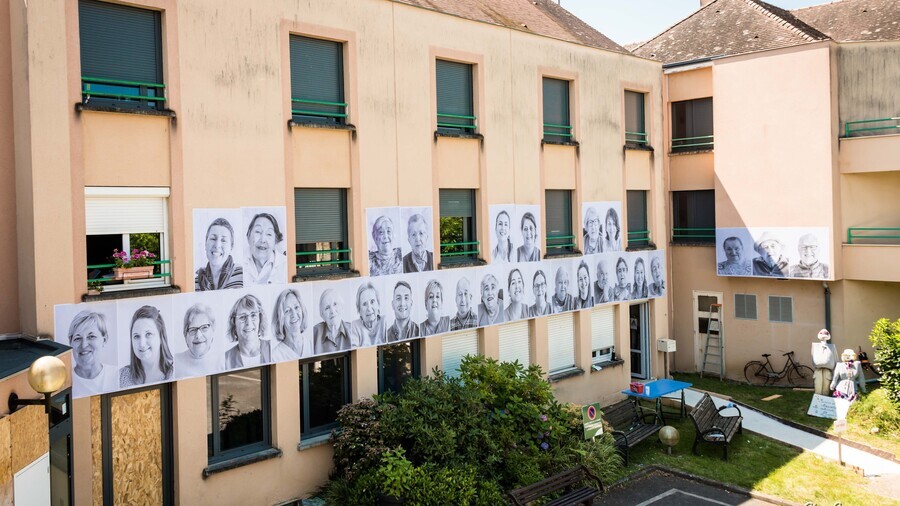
x=655, y=390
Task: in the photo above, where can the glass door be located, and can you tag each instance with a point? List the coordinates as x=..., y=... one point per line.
x=639, y=338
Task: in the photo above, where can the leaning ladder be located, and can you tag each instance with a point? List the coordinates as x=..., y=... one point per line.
x=713, y=351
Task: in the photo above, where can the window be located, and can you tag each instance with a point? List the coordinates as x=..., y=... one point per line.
x=557, y=125
x=692, y=125
x=455, y=347
x=781, y=309
x=515, y=343
x=121, y=56
x=635, y=128
x=317, y=81
x=455, y=104
x=397, y=363
x=560, y=239
x=694, y=217
x=324, y=388
x=320, y=217
x=603, y=334
x=638, y=233
x=238, y=416
x=459, y=243
x=561, y=337
x=125, y=219
x=745, y=306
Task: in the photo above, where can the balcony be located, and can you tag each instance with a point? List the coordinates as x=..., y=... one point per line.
x=872, y=254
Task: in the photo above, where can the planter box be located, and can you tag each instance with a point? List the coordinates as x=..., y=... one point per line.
x=122, y=273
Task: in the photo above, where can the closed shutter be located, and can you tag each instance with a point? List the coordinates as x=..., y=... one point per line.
x=454, y=94
x=124, y=215
x=320, y=215
x=745, y=306
x=781, y=309
x=556, y=102
x=603, y=328
x=455, y=347
x=317, y=73
x=634, y=113
x=120, y=42
x=638, y=234
x=561, y=336
x=457, y=203
x=515, y=343
x=559, y=213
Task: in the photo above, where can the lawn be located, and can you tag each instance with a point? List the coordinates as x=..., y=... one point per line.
x=870, y=411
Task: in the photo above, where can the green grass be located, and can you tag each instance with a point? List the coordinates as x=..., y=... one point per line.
x=871, y=410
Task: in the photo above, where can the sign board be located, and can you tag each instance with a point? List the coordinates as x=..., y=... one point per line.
x=840, y=426
x=828, y=407
x=593, y=423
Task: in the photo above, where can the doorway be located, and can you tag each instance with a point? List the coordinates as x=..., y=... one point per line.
x=61, y=489
x=639, y=338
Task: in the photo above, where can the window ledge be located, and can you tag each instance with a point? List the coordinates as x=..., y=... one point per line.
x=692, y=152
x=167, y=113
x=639, y=147
x=314, y=441
x=457, y=135
x=568, y=254
x=560, y=143
x=456, y=265
x=129, y=294
x=243, y=460
x=327, y=126
x=599, y=366
x=694, y=243
x=649, y=247
x=565, y=374
x=324, y=276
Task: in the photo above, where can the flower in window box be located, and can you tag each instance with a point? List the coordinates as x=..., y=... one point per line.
x=137, y=265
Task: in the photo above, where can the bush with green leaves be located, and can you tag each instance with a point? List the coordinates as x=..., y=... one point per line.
x=496, y=427
x=885, y=337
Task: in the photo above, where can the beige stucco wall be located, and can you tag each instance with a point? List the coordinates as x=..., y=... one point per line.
x=867, y=81
x=870, y=200
x=877, y=153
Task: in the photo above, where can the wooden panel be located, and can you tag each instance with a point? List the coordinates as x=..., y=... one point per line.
x=137, y=448
x=96, y=453
x=29, y=435
x=6, y=475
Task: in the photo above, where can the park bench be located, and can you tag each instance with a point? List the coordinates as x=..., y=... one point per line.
x=631, y=424
x=713, y=427
x=570, y=481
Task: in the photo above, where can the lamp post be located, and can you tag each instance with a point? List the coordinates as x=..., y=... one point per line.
x=46, y=375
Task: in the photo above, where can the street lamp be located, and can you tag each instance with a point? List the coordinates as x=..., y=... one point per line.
x=46, y=375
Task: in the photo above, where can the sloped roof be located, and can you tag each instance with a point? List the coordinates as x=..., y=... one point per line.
x=855, y=20
x=729, y=27
x=541, y=17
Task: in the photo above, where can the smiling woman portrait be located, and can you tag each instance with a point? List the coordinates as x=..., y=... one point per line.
x=246, y=327
x=289, y=323
x=266, y=263
x=220, y=272
x=88, y=337
x=199, y=335
x=151, y=360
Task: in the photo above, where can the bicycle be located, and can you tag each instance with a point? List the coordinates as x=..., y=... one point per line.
x=762, y=373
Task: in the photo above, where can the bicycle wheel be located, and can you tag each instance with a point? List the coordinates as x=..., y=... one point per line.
x=755, y=373
x=800, y=376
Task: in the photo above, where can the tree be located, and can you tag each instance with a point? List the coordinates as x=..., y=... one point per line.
x=885, y=338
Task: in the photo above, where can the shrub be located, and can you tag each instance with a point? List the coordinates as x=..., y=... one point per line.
x=885, y=338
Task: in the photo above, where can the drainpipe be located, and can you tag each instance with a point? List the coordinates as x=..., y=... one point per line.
x=827, y=306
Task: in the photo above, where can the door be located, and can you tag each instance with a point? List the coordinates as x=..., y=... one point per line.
x=702, y=303
x=61, y=449
x=639, y=337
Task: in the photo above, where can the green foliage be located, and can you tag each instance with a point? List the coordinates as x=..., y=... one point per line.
x=461, y=440
x=145, y=242
x=885, y=338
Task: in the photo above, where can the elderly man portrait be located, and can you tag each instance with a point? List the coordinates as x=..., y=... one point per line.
x=419, y=259
x=465, y=317
x=809, y=265
x=602, y=290
x=770, y=262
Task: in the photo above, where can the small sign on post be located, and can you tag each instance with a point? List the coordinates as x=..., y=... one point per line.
x=840, y=426
x=593, y=423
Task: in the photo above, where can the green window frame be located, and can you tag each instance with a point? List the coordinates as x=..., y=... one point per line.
x=317, y=81
x=320, y=220
x=324, y=389
x=557, y=115
x=459, y=239
x=121, y=56
x=397, y=364
x=635, y=120
x=233, y=430
x=694, y=217
x=560, y=238
x=692, y=125
x=455, y=97
x=638, y=232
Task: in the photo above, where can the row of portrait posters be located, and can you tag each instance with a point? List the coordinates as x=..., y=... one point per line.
x=140, y=341
x=784, y=252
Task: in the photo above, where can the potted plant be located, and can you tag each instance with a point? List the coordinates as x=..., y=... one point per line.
x=95, y=287
x=137, y=265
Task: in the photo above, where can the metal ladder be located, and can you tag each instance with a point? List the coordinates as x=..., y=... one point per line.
x=713, y=352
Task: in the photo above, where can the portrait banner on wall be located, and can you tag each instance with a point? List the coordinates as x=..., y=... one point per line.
x=369, y=326
x=144, y=354
x=462, y=284
x=527, y=233
x=518, y=289
x=640, y=286
x=775, y=252
x=612, y=234
x=292, y=328
x=249, y=338
x=385, y=253
x=592, y=218
x=331, y=329
x=199, y=326
x=603, y=265
x=405, y=306
x=491, y=294
x=218, y=264
x=657, y=278
x=582, y=283
x=265, y=248
x=502, y=249
x=561, y=288
x=621, y=289
x=417, y=242
x=437, y=289
x=92, y=332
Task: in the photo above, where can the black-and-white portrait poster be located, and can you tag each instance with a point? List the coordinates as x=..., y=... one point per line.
x=527, y=233
x=145, y=329
x=291, y=317
x=613, y=228
x=438, y=299
x=463, y=298
x=561, y=287
x=582, y=282
x=249, y=335
x=657, y=273
x=592, y=222
x=198, y=340
x=491, y=294
x=502, y=250
x=621, y=289
x=383, y=230
x=91, y=330
x=603, y=276
x=416, y=239
x=369, y=325
x=333, y=314
x=778, y=252
x=640, y=284
x=218, y=264
x=517, y=291
x=265, y=246
x=403, y=304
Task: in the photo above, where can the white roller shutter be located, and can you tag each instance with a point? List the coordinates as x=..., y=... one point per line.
x=125, y=214
x=455, y=347
x=603, y=328
x=561, y=332
x=515, y=343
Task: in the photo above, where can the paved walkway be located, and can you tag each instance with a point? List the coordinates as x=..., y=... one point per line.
x=757, y=422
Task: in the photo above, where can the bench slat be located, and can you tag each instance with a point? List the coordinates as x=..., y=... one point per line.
x=559, y=482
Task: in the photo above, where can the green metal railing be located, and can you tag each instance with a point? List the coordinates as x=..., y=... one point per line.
x=466, y=126
x=110, y=279
x=557, y=134
x=638, y=237
x=466, y=252
x=322, y=263
x=106, y=92
x=850, y=126
x=323, y=114
x=851, y=235
x=568, y=245
x=637, y=137
x=695, y=234
x=701, y=142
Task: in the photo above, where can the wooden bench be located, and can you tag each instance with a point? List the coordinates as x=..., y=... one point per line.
x=571, y=481
x=631, y=424
x=713, y=427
